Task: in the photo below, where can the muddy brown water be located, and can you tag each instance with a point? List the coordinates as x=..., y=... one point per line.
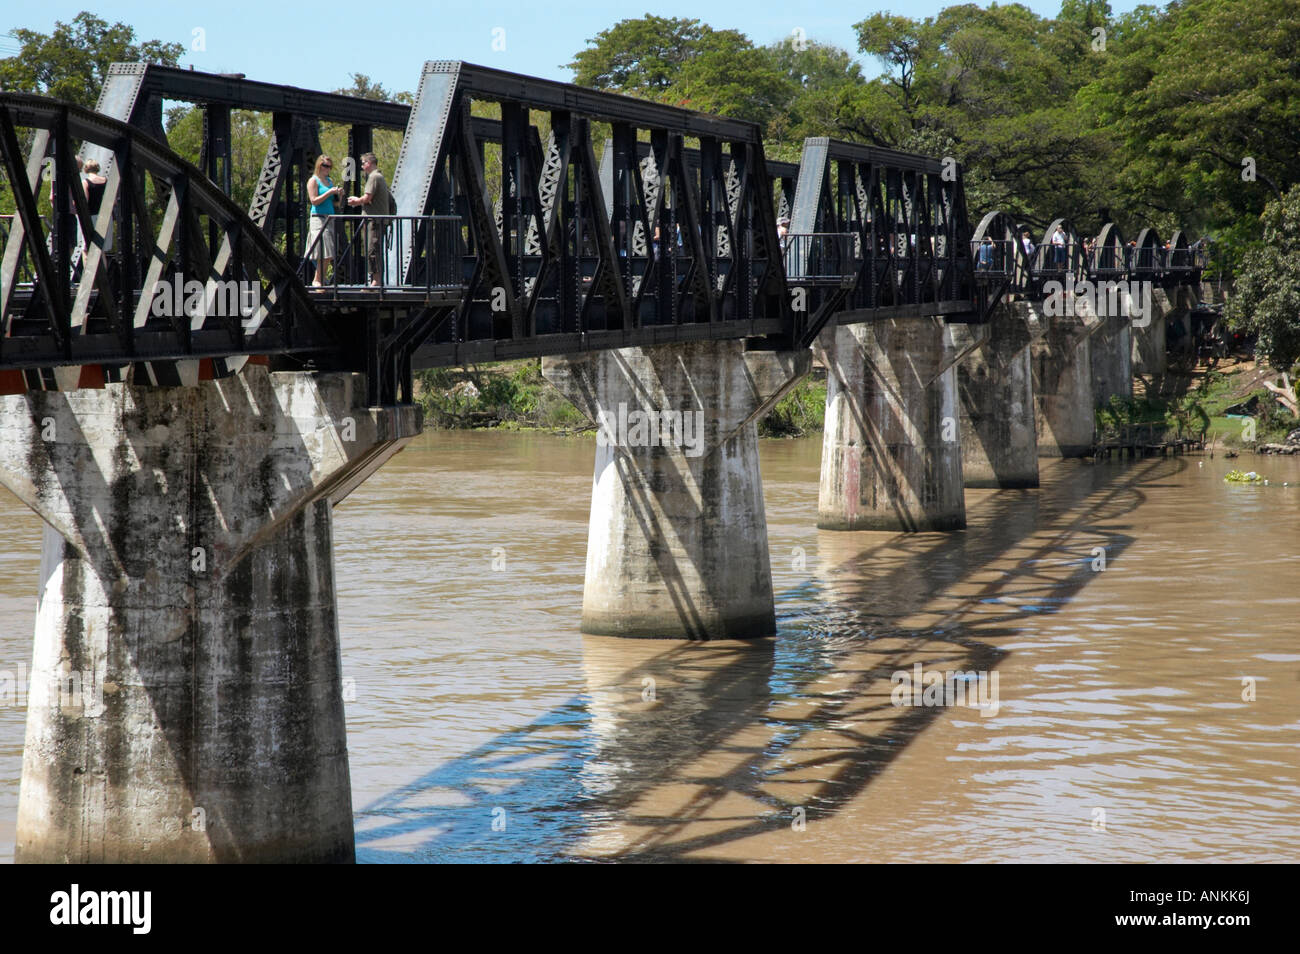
x=483, y=726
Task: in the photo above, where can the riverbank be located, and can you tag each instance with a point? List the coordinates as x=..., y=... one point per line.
x=1224, y=402
x=514, y=395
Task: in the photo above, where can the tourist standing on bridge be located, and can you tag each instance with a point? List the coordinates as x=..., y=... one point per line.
x=92, y=184
x=1058, y=249
x=375, y=200
x=321, y=191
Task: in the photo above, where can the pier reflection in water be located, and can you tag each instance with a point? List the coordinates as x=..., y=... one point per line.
x=485, y=727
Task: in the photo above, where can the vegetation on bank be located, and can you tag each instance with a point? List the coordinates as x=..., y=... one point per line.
x=1231, y=407
x=514, y=394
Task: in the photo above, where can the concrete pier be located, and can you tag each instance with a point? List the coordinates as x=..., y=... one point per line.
x=1111, y=356
x=185, y=701
x=677, y=546
x=1062, y=373
x=995, y=388
x=891, y=452
x=1149, y=343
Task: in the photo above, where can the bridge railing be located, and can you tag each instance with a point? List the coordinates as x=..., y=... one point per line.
x=1109, y=261
x=820, y=258
x=1047, y=260
x=1187, y=260
x=993, y=258
x=355, y=252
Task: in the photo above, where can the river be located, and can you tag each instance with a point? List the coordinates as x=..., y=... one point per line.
x=1140, y=618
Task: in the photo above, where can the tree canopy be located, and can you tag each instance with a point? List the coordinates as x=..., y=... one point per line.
x=1266, y=300
x=72, y=61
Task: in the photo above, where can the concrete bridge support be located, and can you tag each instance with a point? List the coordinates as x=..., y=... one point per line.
x=1063, y=395
x=1171, y=310
x=995, y=388
x=677, y=545
x=185, y=701
x=1150, y=342
x=891, y=454
x=1111, y=354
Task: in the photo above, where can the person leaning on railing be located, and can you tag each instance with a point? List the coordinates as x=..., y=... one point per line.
x=321, y=191
x=375, y=200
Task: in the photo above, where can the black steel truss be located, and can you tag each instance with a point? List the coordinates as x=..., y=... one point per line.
x=906, y=216
x=100, y=307
x=671, y=235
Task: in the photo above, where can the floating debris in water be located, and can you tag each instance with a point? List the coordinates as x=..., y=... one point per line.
x=1237, y=477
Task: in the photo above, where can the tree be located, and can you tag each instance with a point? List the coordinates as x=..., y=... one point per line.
x=1204, y=97
x=642, y=56
x=72, y=62
x=1267, y=296
x=998, y=88
x=824, y=84
x=729, y=76
x=365, y=88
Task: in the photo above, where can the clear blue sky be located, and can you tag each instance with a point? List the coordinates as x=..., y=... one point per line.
x=268, y=41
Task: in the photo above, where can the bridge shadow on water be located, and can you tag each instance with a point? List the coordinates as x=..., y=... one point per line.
x=681, y=751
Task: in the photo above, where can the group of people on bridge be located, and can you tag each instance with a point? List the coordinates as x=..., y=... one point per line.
x=375, y=200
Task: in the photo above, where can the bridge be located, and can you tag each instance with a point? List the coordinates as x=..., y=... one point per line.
x=188, y=387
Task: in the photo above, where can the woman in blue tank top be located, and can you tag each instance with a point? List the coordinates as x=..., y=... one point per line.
x=321, y=191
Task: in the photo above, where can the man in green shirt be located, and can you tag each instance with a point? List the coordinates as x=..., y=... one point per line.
x=374, y=201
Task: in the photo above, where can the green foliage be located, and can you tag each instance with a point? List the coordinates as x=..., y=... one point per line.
x=509, y=394
x=687, y=63
x=1267, y=298
x=800, y=411
x=642, y=57
x=364, y=88
x=823, y=85
x=72, y=61
x=997, y=89
x=734, y=79
x=1158, y=420
x=250, y=134
x=1191, y=92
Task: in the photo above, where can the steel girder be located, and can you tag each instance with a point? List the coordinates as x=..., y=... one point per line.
x=906, y=215
x=561, y=257
x=100, y=310
x=674, y=227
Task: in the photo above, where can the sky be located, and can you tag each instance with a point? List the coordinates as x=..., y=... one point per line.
x=319, y=46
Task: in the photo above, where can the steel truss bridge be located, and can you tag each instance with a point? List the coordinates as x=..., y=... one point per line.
x=533, y=217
